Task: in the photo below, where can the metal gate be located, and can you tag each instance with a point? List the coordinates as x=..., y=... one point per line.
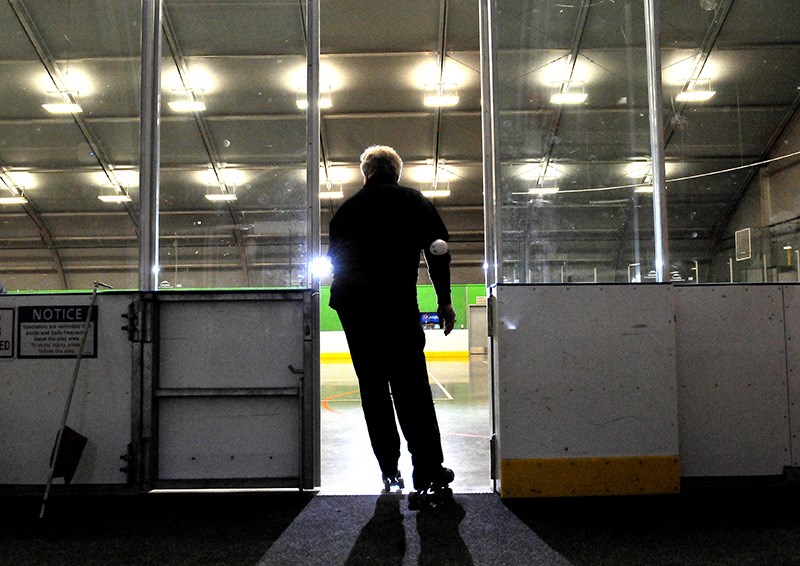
x=227, y=391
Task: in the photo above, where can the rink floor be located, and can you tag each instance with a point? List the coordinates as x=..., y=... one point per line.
x=461, y=394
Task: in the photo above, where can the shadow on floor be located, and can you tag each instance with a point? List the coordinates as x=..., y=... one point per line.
x=147, y=529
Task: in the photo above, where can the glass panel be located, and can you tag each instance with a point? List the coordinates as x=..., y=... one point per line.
x=58, y=160
x=573, y=143
x=233, y=127
x=731, y=72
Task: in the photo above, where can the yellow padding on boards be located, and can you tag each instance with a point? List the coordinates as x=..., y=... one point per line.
x=344, y=357
x=578, y=477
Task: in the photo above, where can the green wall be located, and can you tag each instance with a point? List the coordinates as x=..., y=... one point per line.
x=463, y=295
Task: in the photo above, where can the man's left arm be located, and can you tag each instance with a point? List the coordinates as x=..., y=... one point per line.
x=437, y=257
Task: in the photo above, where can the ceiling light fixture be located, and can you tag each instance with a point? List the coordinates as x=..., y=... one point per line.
x=115, y=198
x=570, y=92
x=325, y=102
x=221, y=197
x=696, y=91
x=187, y=100
x=13, y=200
x=187, y=105
x=331, y=194
x=434, y=193
x=64, y=102
x=441, y=95
x=540, y=191
x=644, y=189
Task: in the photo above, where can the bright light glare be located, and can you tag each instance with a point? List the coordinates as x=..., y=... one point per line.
x=331, y=78
x=440, y=193
x=22, y=179
x=559, y=72
x=440, y=100
x=187, y=105
x=534, y=172
x=221, y=197
x=229, y=176
x=321, y=266
x=454, y=74
x=568, y=97
x=62, y=108
x=200, y=80
x=13, y=200
x=325, y=102
x=644, y=189
x=331, y=194
x=425, y=173
x=543, y=190
x=115, y=198
x=695, y=95
x=75, y=81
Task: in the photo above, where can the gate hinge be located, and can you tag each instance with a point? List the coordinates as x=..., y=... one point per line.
x=137, y=321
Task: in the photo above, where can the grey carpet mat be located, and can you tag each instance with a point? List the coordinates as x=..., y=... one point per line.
x=370, y=529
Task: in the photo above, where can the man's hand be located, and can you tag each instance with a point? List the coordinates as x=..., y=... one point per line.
x=447, y=318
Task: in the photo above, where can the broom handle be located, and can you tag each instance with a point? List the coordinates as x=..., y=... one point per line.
x=69, y=397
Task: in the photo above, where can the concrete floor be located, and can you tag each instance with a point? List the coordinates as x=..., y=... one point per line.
x=461, y=393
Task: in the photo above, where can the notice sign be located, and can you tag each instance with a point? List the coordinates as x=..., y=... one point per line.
x=56, y=332
x=6, y=333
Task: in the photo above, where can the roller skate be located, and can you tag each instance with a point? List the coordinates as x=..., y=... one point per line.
x=432, y=493
x=393, y=480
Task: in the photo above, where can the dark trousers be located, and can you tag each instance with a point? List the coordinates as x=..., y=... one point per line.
x=390, y=364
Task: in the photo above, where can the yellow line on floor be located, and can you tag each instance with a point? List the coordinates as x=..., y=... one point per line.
x=344, y=357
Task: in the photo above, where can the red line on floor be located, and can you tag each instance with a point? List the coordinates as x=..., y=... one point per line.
x=332, y=397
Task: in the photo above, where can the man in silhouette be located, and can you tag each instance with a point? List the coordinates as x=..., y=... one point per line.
x=376, y=238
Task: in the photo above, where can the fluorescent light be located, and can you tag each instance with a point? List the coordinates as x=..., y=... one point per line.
x=439, y=100
x=115, y=198
x=695, y=95
x=331, y=194
x=436, y=193
x=187, y=105
x=325, y=102
x=787, y=247
x=644, y=189
x=63, y=108
x=221, y=197
x=13, y=200
x=568, y=97
x=543, y=191
x=441, y=94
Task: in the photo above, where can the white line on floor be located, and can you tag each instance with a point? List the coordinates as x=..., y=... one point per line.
x=439, y=383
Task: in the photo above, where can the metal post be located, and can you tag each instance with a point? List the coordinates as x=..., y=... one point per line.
x=149, y=144
x=730, y=268
x=652, y=35
x=489, y=117
x=311, y=454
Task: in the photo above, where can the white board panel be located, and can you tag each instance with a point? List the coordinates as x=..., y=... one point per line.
x=732, y=380
x=224, y=438
x=585, y=371
x=34, y=393
x=791, y=300
x=231, y=343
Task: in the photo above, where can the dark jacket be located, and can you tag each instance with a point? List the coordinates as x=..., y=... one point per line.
x=376, y=238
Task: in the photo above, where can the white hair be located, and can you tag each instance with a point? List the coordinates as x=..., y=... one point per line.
x=381, y=159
